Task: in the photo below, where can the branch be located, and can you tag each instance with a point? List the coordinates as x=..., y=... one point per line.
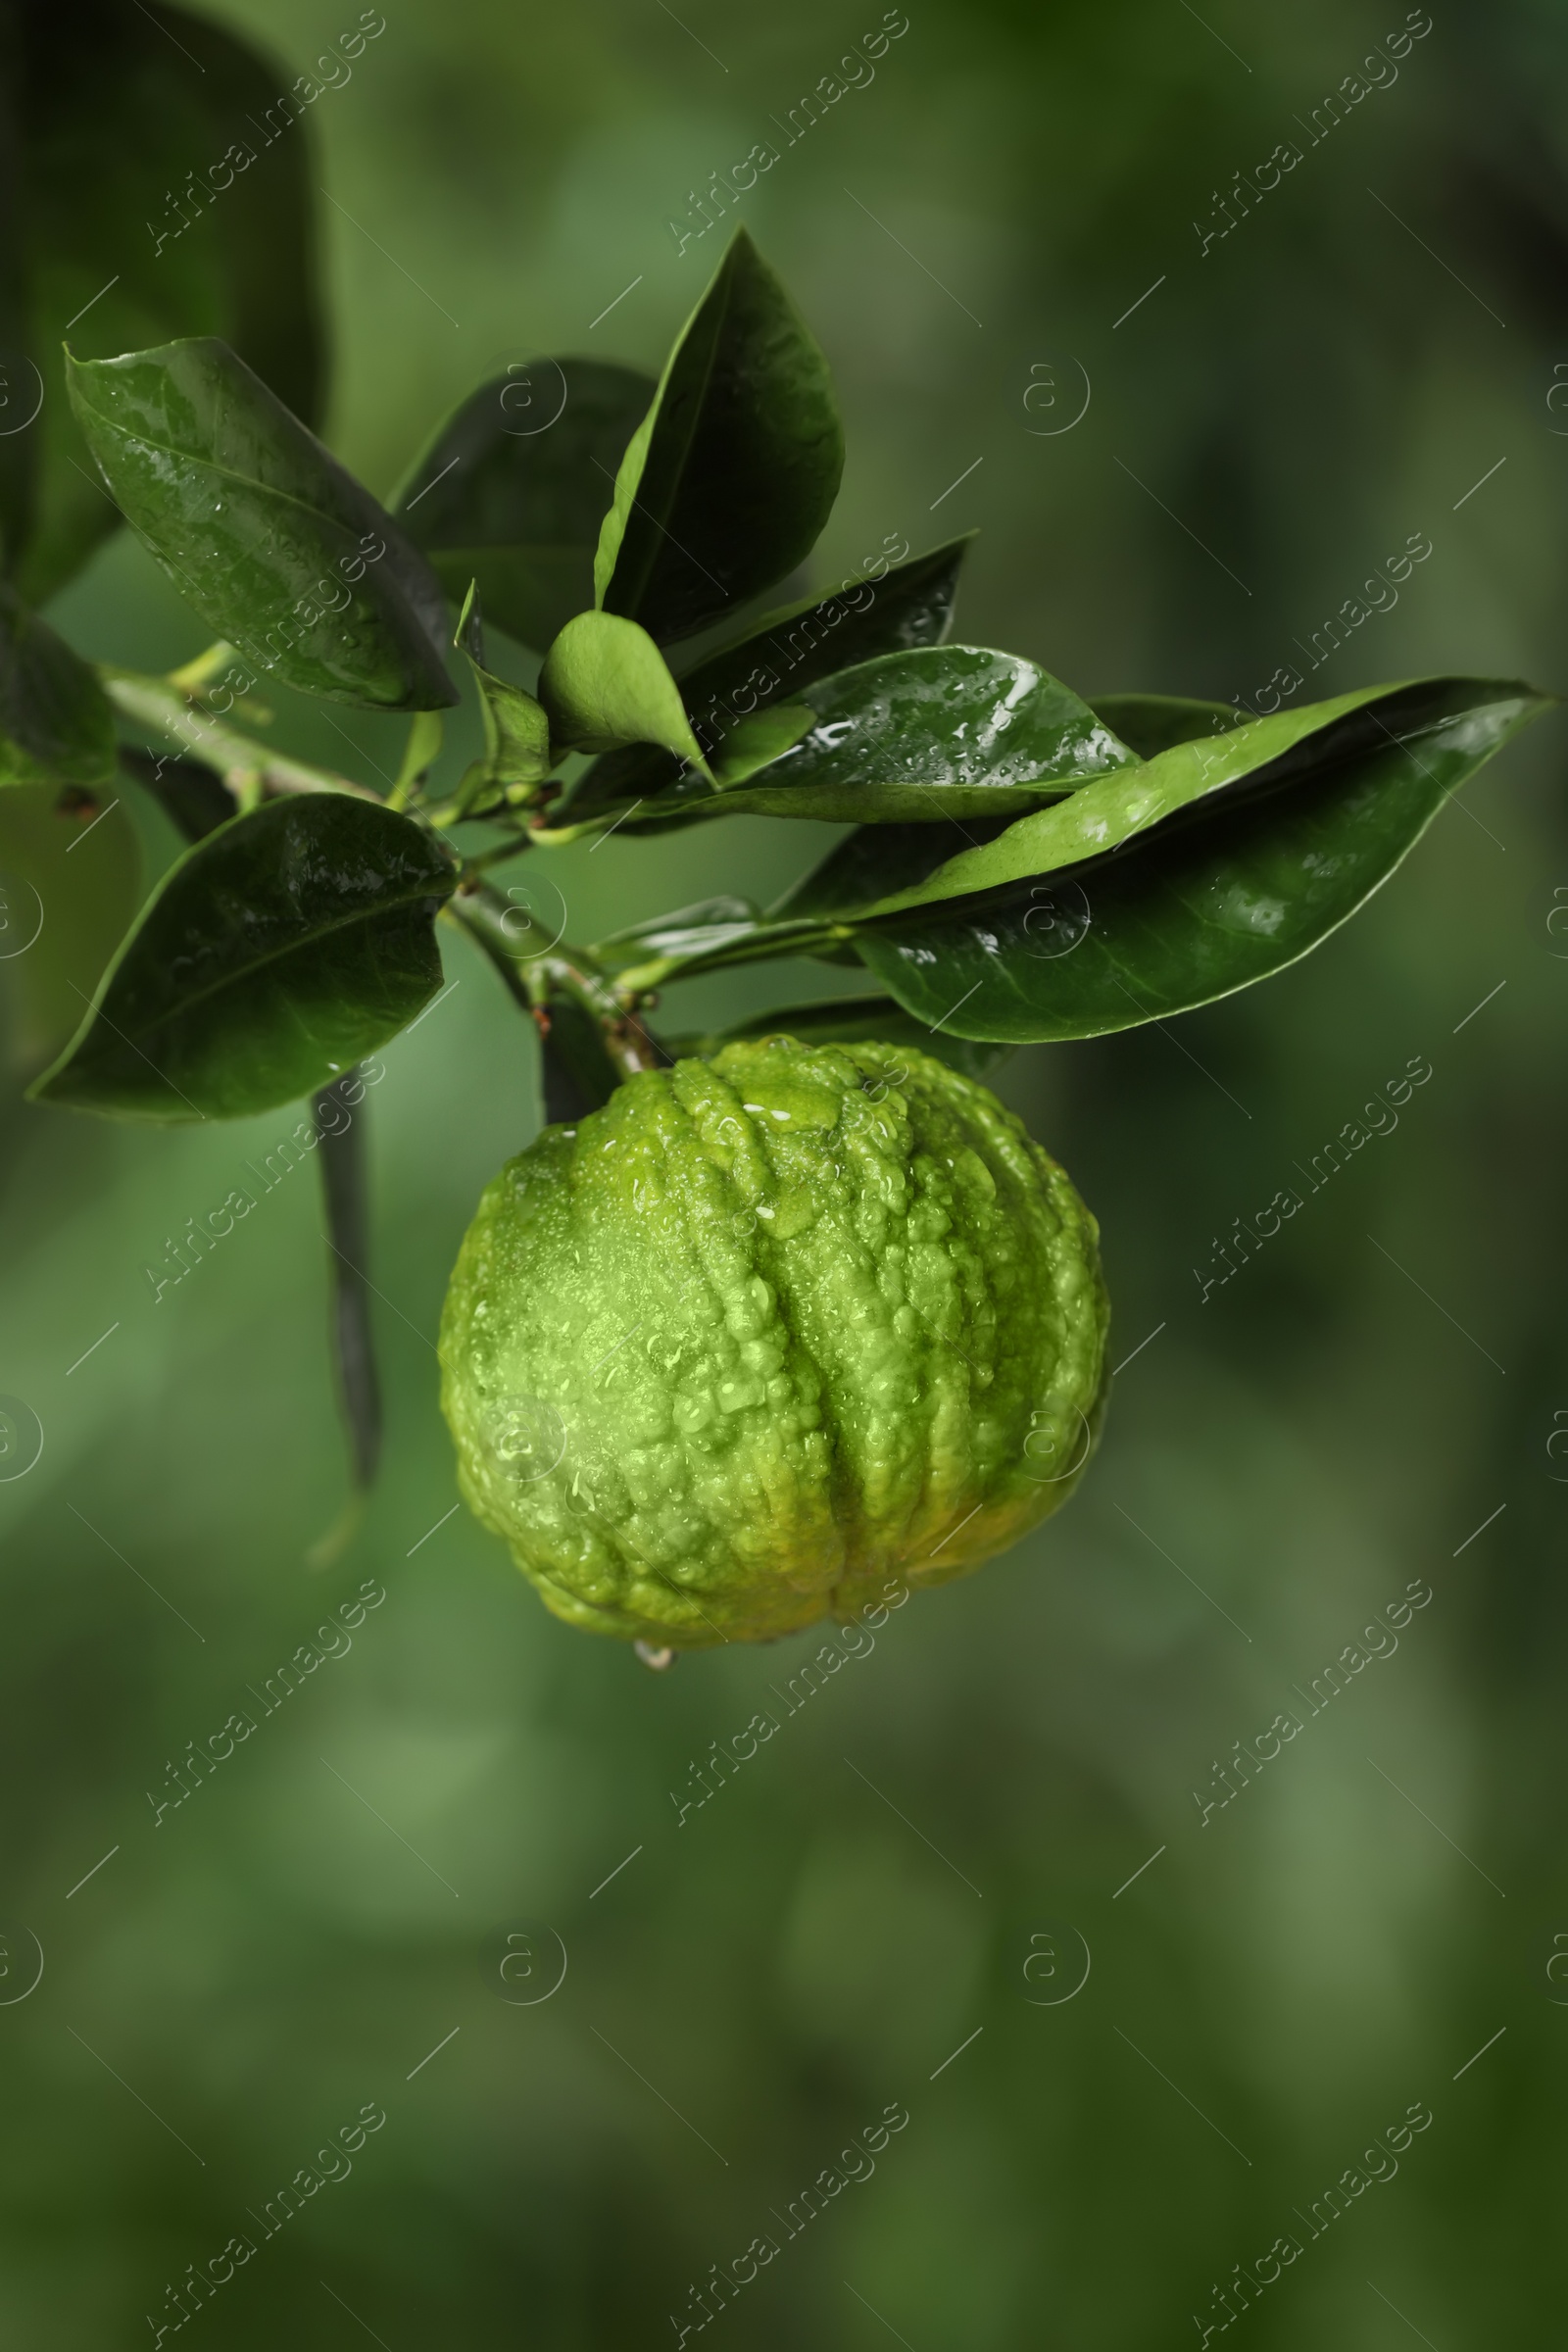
x=558, y=972
x=247, y=767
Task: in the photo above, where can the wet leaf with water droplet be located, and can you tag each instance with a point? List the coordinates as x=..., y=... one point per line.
x=298, y=936
x=1220, y=863
x=308, y=577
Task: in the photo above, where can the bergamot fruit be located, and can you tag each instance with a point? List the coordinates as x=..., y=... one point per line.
x=767, y=1333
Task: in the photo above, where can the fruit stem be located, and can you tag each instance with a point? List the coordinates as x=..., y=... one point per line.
x=558, y=971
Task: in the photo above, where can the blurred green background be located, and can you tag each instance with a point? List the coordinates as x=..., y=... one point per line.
x=966, y=233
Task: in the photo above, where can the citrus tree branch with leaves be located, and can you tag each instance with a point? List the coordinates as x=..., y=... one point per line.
x=1022, y=864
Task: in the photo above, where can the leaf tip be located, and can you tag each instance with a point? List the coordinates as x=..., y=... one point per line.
x=468, y=635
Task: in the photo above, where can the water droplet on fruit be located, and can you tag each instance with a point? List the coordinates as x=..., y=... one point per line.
x=527, y=1437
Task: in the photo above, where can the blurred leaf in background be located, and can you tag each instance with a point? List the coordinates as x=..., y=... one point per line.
x=202, y=219
x=70, y=878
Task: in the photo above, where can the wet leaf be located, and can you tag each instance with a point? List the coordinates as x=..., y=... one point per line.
x=732, y=476
x=514, y=487
x=1151, y=723
x=275, y=544
x=1243, y=881
x=1265, y=755
x=278, y=951
x=875, y=861
x=942, y=731
x=884, y=612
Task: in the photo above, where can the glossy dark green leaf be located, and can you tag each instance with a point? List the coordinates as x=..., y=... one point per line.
x=514, y=485
x=826, y=911
x=1109, y=813
x=1151, y=723
x=891, y=607
x=940, y=732
x=56, y=726
x=951, y=731
x=275, y=544
x=167, y=181
x=877, y=859
x=846, y=1021
x=732, y=474
x=1240, y=884
x=884, y=612
x=605, y=682
x=516, y=731
x=283, y=948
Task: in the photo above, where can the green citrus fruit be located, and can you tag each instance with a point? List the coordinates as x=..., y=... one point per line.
x=769, y=1333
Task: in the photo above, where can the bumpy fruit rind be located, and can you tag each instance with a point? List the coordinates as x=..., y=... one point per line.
x=767, y=1332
